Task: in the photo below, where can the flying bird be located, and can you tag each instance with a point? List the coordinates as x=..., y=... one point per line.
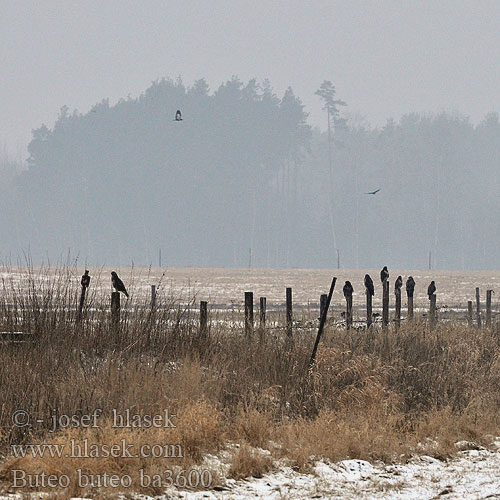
x=348, y=289
x=399, y=283
x=432, y=289
x=374, y=192
x=369, y=285
x=118, y=283
x=410, y=286
x=178, y=116
x=384, y=274
x=85, y=282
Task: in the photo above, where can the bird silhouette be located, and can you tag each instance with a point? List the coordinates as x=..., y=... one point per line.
x=348, y=289
x=118, y=284
x=178, y=116
x=384, y=274
x=85, y=282
x=369, y=284
x=374, y=192
x=431, y=289
x=410, y=286
x=399, y=283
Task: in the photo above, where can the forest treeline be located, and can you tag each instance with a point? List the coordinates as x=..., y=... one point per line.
x=244, y=180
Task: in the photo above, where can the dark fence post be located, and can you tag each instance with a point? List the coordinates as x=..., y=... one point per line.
x=385, y=303
x=203, y=318
x=115, y=309
x=369, y=314
x=262, y=314
x=432, y=310
x=348, y=312
x=322, y=304
x=469, y=312
x=289, y=315
x=322, y=323
x=248, y=313
x=478, y=308
x=397, y=317
x=153, y=296
x=80, y=306
x=488, y=308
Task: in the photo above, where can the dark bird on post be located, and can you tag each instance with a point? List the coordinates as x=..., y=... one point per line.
x=399, y=283
x=432, y=289
x=374, y=192
x=369, y=285
x=410, y=286
x=384, y=274
x=85, y=282
x=178, y=116
x=118, y=283
x=348, y=289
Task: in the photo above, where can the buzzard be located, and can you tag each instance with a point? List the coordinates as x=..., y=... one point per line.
x=118, y=284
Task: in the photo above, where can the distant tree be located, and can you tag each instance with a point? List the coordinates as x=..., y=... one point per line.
x=327, y=93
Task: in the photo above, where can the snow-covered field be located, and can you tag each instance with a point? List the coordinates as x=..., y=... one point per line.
x=473, y=474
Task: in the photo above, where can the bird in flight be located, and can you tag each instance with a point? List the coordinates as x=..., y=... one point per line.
x=85, y=282
x=178, y=116
x=374, y=192
x=118, y=284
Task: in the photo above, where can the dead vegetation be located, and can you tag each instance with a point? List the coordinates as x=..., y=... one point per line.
x=371, y=394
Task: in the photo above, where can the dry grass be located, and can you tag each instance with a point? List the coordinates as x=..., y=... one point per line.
x=370, y=395
x=249, y=462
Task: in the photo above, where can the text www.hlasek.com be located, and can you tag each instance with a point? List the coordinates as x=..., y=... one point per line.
x=85, y=449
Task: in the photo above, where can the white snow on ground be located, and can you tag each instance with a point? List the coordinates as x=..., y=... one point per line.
x=472, y=474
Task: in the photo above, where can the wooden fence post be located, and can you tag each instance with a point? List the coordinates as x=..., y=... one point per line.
x=262, y=311
x=348, y=312
x=153, y=296
x=488, y=308
x=410, y=308
x=115, y=309
x=80, y=306
x=322, y=323
x=248, y=313
x=478, y=308
x=322, y=304
x=289, y=315
x=203, y=318
x=397, y=316
x=432, y=310
x=385, y=303
x=469, y=312
x=369, y=309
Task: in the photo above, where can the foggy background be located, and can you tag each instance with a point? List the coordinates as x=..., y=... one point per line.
x=250, y=176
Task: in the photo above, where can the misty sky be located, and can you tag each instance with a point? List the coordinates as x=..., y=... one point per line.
x=386, y=57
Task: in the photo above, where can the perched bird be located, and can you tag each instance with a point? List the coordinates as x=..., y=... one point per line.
x=410, y=286
x=178, y=116
x=369, y=285
x=384, y=274
x=348, y=289
x=432, y=289
x=399, y=283
x=374, y=192
x=118, y=283
x=85, y=282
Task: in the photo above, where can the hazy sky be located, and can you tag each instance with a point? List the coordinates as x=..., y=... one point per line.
x=386, y=57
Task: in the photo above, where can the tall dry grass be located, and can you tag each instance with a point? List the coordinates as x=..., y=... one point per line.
x=371, y=394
